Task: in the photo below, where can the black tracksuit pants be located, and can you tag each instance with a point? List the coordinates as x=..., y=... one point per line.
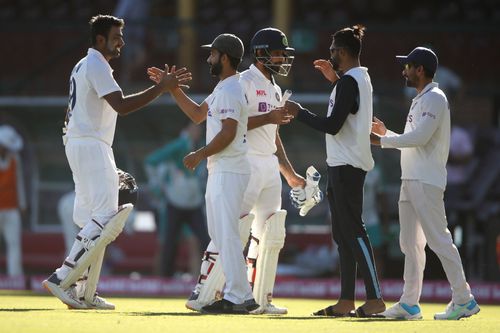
x=345, y=196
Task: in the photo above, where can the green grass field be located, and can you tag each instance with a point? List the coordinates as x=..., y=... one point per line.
x=24, y=312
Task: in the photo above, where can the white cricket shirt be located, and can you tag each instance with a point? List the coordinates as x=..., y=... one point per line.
x=351, y=145
x=425, y=142
x=263, y=96
x=90, y=114
x=228, y=101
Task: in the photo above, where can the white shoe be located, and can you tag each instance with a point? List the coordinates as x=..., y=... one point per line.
x=403, y=311
x=456, y=311
x=193, y=304
x=100, y=303
x=67, y=296
x=270, y=308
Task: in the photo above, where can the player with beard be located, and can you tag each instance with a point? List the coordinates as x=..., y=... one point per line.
x=267, y=157
x=95, y=101
x=424, y=147
x=226, y=115
x=347, y=127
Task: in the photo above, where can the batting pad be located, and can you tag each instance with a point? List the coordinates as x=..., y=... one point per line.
x=93, y=278
x=111, y=230
x=214, y=283
x=270, y=244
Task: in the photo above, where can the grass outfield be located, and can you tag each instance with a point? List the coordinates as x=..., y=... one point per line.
x=23, y=312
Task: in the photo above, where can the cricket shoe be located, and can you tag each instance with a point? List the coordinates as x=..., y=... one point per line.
x=270, y=308
x=251, y=305
x=224, y=306
x=99, y=303
x=68, y=296
x=193, y=303
x=403, y=311
x=457, y=311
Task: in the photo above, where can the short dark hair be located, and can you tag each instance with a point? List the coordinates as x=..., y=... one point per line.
x=101, y=24
x=234, y=62
x=428, y=73
x=350, y=39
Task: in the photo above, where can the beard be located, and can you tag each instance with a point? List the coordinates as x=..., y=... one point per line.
x=335, y=64
x=409, y=82
x=216, y=69
x=113, y=52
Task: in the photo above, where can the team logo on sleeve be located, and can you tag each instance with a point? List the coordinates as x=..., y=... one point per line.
x=278, y=97
x=262, y=107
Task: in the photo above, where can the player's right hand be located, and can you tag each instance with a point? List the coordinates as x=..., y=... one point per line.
x=192, y=160
x=326, y=68
x=293, y=107
x=169, y=79
x=378, y=127
x=280, y=116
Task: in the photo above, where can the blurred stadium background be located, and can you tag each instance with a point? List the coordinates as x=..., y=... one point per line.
x=43, y=40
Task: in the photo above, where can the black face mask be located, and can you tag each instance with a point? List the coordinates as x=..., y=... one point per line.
x=335, y=63
x=216, y=69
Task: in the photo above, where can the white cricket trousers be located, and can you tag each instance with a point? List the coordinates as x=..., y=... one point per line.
x=423, y=221
x=224, y=196
x=96, y=181
x=10, y=227
x=262, y=196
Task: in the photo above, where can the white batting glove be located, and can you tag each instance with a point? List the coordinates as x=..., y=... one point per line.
x=313, y=194
x=298, y=197
x=309, y=196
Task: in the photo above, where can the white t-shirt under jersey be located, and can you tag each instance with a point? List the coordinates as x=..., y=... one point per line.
x=263, y=96
x=228, y=101
x=351, y=145
x=90, y=115
x=425, y=143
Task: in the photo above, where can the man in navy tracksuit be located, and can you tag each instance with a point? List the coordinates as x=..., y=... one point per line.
x=347, y=127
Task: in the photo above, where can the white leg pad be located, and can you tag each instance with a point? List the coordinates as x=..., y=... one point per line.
x=211, y=281
x=270, y=245
x=93, y=278
x=111, y=230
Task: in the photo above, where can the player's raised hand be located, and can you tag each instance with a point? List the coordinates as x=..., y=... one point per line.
x=280, y=116
x=170, y=78
x=154, y=74
x=378, y=127
x=326, y=68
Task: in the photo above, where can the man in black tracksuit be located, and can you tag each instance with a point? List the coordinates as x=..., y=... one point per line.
x=347, y=127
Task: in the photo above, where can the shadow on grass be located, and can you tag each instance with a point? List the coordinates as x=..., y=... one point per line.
x=24, y=310
x=173, y=314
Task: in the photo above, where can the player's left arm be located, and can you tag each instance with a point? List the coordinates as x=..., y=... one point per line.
x=433, y=109
x=293, y=179
x=218, y=143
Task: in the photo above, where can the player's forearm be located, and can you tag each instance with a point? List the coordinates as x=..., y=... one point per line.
x=286, y=167
x=188, y=106
x=258, y=121
x=416, y=138
x=136, y=101
x=218, y=143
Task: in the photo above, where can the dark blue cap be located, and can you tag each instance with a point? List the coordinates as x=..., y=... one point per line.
x=421, y=56
x=271, y=39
